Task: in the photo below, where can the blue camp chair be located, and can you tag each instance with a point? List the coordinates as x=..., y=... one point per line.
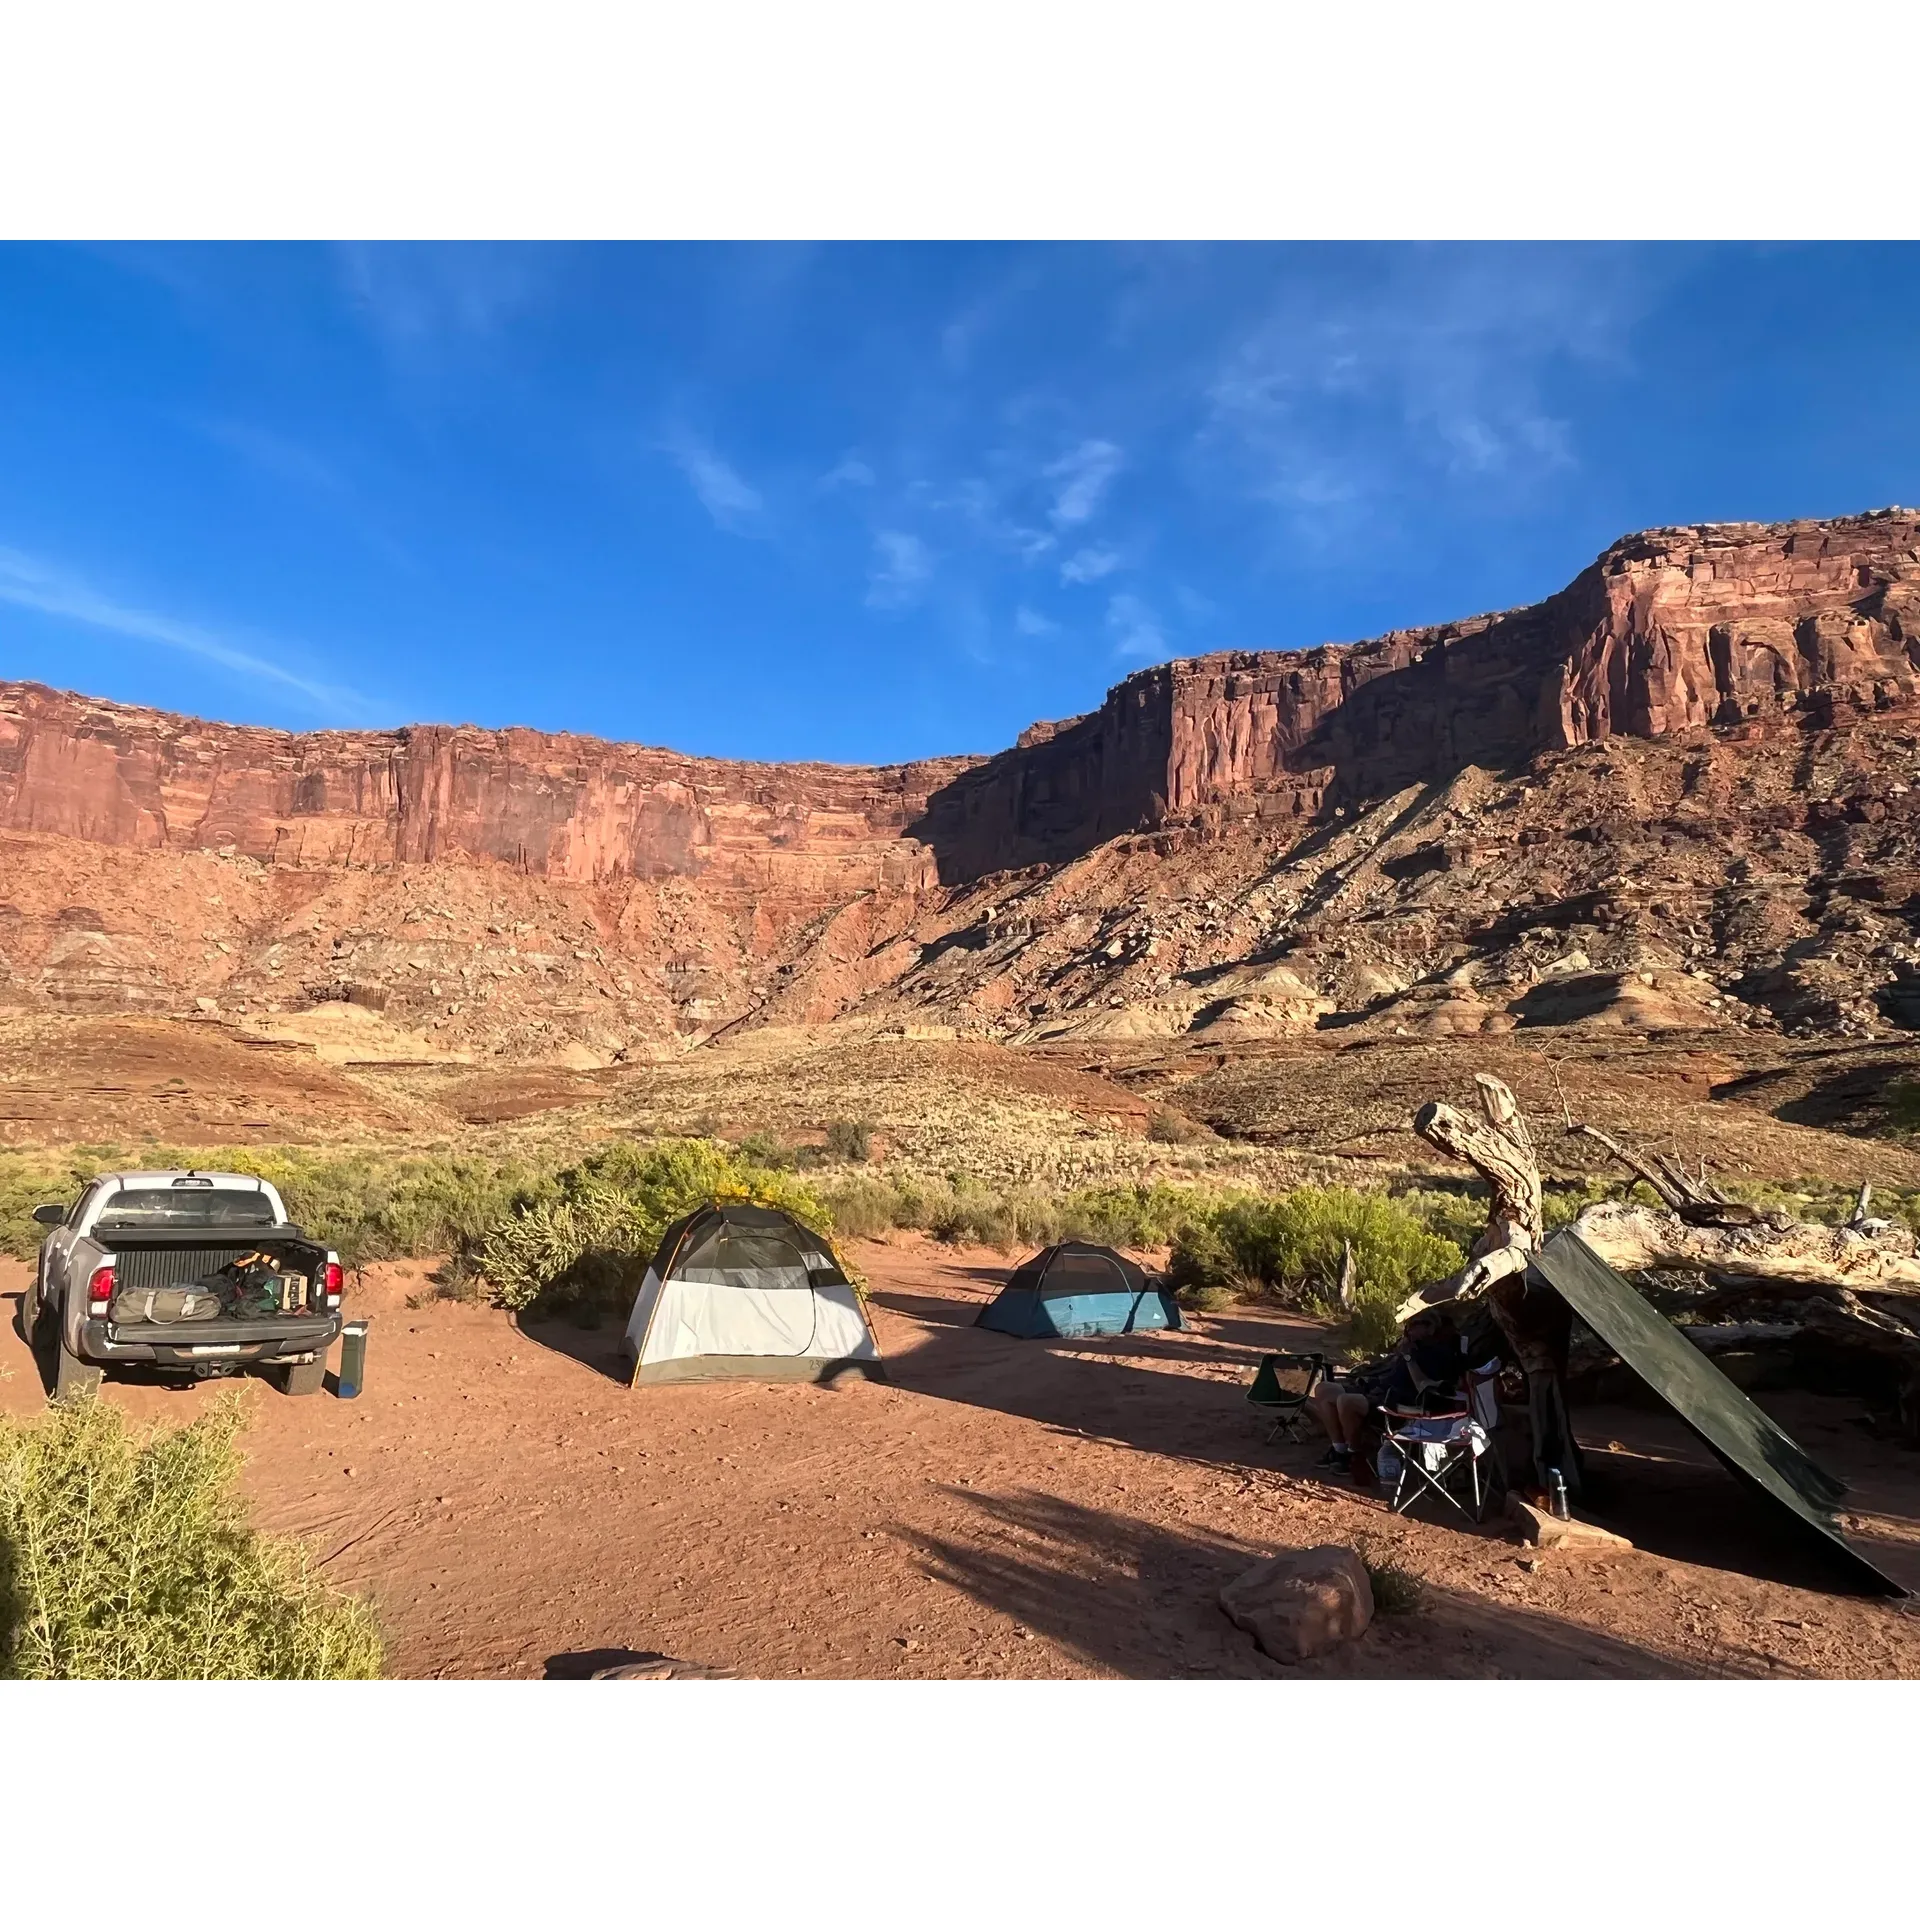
x=1073, y=1290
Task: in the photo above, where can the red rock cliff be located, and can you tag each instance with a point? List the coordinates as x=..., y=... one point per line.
x=558, y=806
x=1679, y=628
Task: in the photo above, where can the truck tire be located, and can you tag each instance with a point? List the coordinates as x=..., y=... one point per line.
x=29, y=1310
x=73, y=1378
x=300, y=1381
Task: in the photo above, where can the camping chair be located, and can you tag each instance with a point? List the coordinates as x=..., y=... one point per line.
x=1281, y=1388
x=1450, y=1453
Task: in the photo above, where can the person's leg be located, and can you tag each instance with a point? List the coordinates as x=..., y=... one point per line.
x=1353, y=1410
x=1324, y=1403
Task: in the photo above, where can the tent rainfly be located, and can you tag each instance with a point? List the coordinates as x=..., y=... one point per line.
x=1745, y=1441
x=739, y=1293
x=1075, y=1289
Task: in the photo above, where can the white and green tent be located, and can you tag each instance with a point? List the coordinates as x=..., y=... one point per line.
x=744, y=1293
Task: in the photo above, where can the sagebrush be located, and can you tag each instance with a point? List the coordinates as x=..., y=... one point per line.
x=125, y=1556
x=583, y=1244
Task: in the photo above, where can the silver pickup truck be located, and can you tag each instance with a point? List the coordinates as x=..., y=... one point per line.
x=194, y=1273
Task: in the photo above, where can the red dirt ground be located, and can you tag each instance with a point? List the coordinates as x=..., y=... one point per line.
x=1001, y=1508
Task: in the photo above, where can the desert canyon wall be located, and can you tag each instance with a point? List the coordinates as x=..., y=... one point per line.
x=687, y=894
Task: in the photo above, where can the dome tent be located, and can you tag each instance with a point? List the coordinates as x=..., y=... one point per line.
x=744, y=1293
x=1075, y=1289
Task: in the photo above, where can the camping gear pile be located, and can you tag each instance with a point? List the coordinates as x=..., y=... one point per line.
x=251, y=1286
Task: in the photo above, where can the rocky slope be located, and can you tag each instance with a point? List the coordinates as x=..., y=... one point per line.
x=1679, y=794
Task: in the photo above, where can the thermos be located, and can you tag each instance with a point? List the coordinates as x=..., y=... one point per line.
x=1556, y=1491
x=353, y=1358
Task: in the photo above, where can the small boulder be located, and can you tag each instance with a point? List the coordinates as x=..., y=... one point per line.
x=1302, y=1604
x=663, y=1669
x=1541, y=1529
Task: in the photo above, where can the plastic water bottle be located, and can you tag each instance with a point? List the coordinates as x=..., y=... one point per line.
x=1557, y=1492
x=353, y=1358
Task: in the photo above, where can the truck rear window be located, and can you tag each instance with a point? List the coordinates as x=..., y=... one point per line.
x=211, y=1207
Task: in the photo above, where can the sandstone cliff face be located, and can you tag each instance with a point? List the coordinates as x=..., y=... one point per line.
x=1666, y=631
x=556, y=806
x=1719, y=721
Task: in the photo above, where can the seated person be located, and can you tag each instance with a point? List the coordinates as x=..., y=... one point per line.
x=1426, y=1361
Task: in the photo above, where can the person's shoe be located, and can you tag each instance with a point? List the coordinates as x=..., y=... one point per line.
x=1335, y=1456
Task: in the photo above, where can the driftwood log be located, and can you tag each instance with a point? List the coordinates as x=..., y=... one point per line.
x=1649, y=1240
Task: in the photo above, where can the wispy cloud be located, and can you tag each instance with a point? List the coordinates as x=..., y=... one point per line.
x=1088, y=565
x=733, y=505
x=903, y=564
x=849, y=471
x=1033, y=626
x=415, y=294
x=276, y=455
x=1409, y=368
x=1081, y=480
x=1137, y=632
x=28, y=582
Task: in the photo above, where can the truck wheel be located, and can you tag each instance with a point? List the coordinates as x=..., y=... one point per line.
x=29, y=1310
x=73, y=1378
x=301, y=1380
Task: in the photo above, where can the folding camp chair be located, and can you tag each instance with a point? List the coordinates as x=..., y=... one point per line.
x=1281, y=1387
x=1449, y=1453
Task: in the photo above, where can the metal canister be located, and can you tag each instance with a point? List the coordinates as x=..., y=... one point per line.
x=353, y=1359
x=1557, y=1493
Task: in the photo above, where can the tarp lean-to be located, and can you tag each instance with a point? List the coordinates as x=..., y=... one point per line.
x=746, y=1293
x=1741, y=1436
x=1076, y=1289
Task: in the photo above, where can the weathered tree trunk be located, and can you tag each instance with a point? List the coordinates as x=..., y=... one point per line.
x=1535, y=1321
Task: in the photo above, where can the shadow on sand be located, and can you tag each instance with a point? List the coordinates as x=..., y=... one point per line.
x=1665, y=1492
x=1142, y=1601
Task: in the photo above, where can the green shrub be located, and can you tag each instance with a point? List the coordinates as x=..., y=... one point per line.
x=862, y=1206
x=1295, y=1246
x=125, y=1556
x=850, y=1140
x=369, y=1205
x=583, y=1245
x=1396, y=1589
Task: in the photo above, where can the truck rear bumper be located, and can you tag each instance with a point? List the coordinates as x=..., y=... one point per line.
x=214, y=1342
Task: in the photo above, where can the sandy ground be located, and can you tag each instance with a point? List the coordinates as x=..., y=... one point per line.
x=1001, y=1508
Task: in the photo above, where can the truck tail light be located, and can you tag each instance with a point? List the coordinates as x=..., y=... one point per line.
x=333, y=1280
x=100, y=1289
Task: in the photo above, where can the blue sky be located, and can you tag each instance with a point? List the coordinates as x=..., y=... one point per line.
x=874, y=502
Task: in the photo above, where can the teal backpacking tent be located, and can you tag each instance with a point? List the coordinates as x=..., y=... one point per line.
x=1074, y=1289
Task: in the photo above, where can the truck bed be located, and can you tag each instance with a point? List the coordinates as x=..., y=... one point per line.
x=180, y=1256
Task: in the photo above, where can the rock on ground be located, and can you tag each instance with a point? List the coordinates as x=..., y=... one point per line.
x=1300, y=1605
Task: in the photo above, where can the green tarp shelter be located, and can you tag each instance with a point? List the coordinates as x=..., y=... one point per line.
x=1744, y=1440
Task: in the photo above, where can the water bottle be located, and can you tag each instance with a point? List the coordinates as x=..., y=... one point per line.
x=1557, y=1493
x=353, y=1358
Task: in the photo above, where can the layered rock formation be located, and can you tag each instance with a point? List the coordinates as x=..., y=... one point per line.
x=558, y=806
x=1666, y=631
x=1417, y=824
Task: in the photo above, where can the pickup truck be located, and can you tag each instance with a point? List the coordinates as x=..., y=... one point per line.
x=195, y=1273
